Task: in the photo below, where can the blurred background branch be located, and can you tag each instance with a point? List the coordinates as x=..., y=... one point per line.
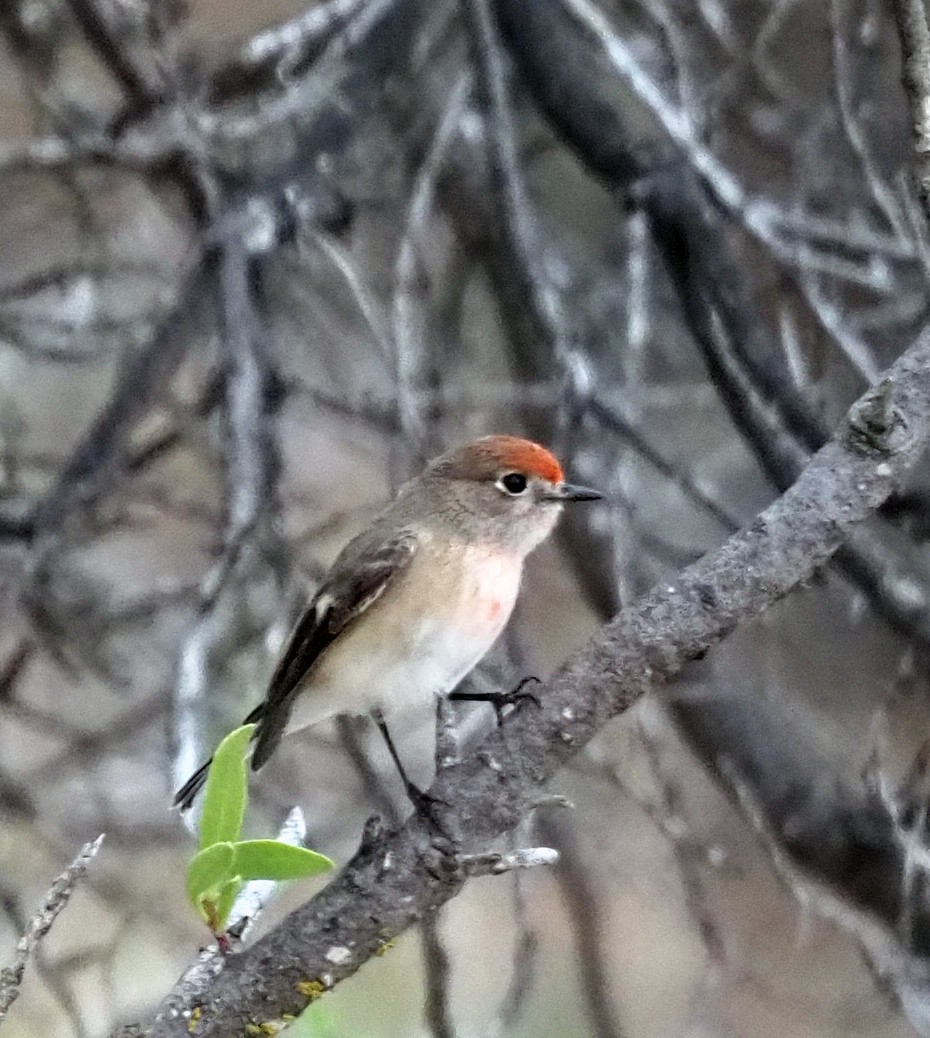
x=258, y=261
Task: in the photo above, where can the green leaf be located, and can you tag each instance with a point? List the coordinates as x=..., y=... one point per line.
x=226, y=794
x=226, y=899
x=208, y=870
x=272, y=859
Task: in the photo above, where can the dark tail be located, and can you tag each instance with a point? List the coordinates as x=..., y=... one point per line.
x=185, y=795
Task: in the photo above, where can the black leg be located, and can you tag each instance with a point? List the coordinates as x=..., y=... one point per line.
x=423, y=802
x=392, y=750
x=499, y=700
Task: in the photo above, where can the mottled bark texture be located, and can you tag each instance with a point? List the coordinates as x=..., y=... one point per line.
x=399, y=877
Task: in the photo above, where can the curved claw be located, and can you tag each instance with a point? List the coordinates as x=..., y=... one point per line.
x=520, y=692
x=500, y=700
x=425, y=805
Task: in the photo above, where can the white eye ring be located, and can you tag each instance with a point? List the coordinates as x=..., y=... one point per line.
x=513, y=483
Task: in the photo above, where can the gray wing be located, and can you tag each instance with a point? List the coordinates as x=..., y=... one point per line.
x=357, y=580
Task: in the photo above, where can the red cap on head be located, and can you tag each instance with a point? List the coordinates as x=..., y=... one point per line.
x=488, y=457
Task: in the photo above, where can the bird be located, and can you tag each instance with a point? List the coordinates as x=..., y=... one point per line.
x=414, y=601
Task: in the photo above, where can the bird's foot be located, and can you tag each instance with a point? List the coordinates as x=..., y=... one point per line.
x=430, y=808
x=501, y=700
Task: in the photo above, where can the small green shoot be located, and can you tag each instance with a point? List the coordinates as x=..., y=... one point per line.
x=227, y=790
x=224, y=863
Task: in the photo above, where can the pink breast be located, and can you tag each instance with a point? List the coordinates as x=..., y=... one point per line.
x=493, y=578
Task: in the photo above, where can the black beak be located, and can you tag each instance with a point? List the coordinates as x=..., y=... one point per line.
x=572, y=492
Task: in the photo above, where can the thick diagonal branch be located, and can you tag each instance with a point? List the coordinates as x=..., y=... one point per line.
x=397, y=879
x=911, y=17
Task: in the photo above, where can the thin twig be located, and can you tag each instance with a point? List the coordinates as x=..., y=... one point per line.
x=39, y=925
x=524, y=963
x=779, y=425
x=251, y=460
x=256, y=894
x=101, y=453
x=113, y=53
x=536, y=288
x=911, y=16
x=410, y=279
x=291, y=44
x=687, y=852
x=493, y=863
x=437, y=968
x=581, y=897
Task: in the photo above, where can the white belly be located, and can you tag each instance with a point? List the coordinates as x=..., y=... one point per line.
x=388, y=661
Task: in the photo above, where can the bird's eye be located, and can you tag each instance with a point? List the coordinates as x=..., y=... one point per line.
x=513, y=482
